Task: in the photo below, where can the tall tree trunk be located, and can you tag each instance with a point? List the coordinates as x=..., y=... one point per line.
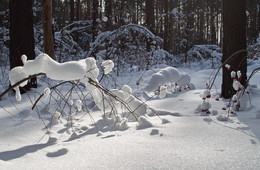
x=201, y=22
x=48, y=28
x=234, y=28
x=212, y=30
x=95, y=17
x=252, y=29
x=108, y=11
x=100, y=11
x=166, y=26
x=78, y=10
x=134, y=6
x=72, y=11
x=149, y=10
x=21, y=35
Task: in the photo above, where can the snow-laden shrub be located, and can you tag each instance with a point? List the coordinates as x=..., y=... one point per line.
x=71, y=41
x=253, y=50
x=117, y=105
x=207, y=55
x=165, y=76
x=128, y=46
x=72, y=70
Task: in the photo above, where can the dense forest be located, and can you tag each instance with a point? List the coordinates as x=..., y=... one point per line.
x=180, y=23
x=135, y=34
x=130, y=84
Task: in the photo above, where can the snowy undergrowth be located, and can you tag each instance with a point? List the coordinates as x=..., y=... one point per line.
x=84, y=95
x=184, y=143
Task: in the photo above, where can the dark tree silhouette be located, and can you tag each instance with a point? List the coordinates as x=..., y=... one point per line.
x=234, y=40
x=21, y=35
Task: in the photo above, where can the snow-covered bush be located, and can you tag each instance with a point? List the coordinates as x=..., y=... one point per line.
x=253, y=50
x=171, y=77
x=117, y=105
x=205, y=54
x=128, y=46
x=241, y=97
x=71, y=41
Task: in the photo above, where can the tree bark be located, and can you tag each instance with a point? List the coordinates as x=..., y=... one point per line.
x=108, y=11
x=72, y=11
x=150, y=19
x=48, y=28
x=166, y=25
x=21, y=35
x=234, y=40
x=78, y=10
x=95, y=17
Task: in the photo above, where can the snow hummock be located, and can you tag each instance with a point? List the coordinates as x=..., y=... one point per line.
x=167, y=75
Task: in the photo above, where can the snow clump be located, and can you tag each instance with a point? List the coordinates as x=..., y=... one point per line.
x=108, y=65
x=82, y=70
x=162, y=93
x=78, y=104
x=46, y=93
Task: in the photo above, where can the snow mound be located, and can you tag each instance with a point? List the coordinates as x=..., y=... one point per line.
x=122, y=125
x=167, y=75
x=183, y=80
x=144, y=123
x=222, y=118
x=164, y=121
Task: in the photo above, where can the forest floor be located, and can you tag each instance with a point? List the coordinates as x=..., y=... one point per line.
x=191, y=140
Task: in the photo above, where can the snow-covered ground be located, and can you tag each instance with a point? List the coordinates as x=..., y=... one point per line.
x=181, y=138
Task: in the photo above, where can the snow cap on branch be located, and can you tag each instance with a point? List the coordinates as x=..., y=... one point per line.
x=108, y=65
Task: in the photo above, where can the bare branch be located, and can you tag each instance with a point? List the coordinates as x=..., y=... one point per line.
x=18, y=83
